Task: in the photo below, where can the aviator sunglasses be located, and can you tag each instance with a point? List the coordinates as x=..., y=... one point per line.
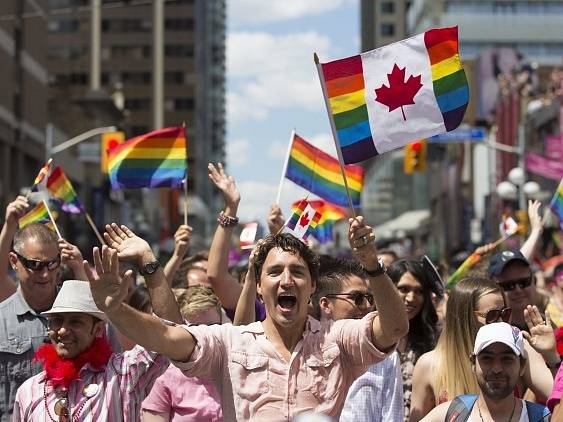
x=36, y=265
x=511, y=285
x=493, y=315
x=357, y=297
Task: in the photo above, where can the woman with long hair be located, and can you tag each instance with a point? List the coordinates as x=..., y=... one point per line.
x=445, y=372
x=415, y=287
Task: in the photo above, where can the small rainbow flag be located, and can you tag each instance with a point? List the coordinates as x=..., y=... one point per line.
x=319, y=173
x=422, y=76
x=154, y=160
x=473, y=259
x=43, y=175
x=38, y=214
x=330, y=214
x=61, y=189
x=303, y=221
x=556, y=203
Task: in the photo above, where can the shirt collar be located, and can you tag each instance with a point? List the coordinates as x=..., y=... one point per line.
x=20, y=305
x=256, y=327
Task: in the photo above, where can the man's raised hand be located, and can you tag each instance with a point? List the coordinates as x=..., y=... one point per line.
x=226, y=184
x=182, y=240
x=108, y=288
x=16, y=210
x=128, y=245
x=275, y=219
x=362, y=242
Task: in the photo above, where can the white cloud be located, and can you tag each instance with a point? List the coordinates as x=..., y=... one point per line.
x=325, y=142
x=261, y=11
x=238, y=152
x=277, y=150
x=269, y=72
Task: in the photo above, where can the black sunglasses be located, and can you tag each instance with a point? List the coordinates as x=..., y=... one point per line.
x=493, y=315
x=511, y=285
x=35, y=265
x=357, y=297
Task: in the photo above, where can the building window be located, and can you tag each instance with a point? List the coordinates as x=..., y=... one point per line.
x=387, y=29
x=130, y=51
x=178, y=50
x=126, y=25
x=387, y=7
x=65, y=52
x=181, y=24
x=136, y=78
x=138, y=104
x=183, y=104
x=174, y=78
x=63, y=26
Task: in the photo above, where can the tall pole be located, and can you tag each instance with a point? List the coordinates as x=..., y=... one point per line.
x=158, y=64
x=48, y=141
x=95, y=42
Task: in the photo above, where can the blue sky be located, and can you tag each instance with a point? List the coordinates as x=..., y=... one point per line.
x=273, y=87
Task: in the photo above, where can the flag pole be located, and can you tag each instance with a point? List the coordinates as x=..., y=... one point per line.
x=94, y=228
x=334, y=134
x=52, y=219
x=185, y=181
x=284, y=170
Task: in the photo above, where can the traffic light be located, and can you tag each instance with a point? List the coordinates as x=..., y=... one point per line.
x=109, y=141
x=415, y=157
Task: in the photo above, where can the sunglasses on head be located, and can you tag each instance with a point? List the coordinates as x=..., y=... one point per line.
x=511, y=285
x=36, y=265
x=493, y=315
x=357, y=297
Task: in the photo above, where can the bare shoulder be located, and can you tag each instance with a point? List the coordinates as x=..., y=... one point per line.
x=438, y=414
x=425, y=364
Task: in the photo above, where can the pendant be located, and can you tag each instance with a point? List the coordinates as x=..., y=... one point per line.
x=61, y=408
x=90, y=390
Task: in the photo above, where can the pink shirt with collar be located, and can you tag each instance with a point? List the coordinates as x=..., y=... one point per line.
x=256, y=383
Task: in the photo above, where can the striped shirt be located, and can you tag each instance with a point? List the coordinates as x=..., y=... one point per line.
x=116, y=391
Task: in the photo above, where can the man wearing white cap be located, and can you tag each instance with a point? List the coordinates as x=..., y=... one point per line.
x=82, y=380
x=498, y=361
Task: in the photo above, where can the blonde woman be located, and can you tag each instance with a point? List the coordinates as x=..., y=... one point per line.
x=445, y=372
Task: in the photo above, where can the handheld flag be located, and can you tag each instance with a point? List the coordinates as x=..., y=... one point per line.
x=383, y=99
x=154, y=160
x=473, y=259
x=37, y=214
x=556, y=203
x=508, y=226
x=329, y=215
x=41, y=178
x=319, y=173
x=303, y=221
x=61, y=189
x=247, y=235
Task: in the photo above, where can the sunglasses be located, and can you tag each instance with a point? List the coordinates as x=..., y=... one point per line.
x=358, y=298
x=511, y=285
x=35, y=265
x=493, y=315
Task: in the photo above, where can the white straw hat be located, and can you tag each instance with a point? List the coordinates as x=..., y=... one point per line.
x=75, y=296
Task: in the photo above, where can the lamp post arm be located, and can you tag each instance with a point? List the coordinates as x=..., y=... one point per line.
x=80, y=138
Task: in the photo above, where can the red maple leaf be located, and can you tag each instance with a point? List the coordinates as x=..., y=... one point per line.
x=399, y=93
x=304, y=220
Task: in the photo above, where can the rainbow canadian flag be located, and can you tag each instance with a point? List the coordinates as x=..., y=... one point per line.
x=303, y=221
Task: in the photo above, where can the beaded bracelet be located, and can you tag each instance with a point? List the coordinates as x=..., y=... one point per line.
x=227, y=220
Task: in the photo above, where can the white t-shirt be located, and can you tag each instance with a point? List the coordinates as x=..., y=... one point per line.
x=523, y=414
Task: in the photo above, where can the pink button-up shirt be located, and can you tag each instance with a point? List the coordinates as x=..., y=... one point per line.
x=256, y=383
x=119, y=389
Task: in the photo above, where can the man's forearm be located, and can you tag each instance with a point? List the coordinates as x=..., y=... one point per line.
x=7, y=285
x=528, y=249
x=162, y=299
x=151, y=333
x=171, y=268
x=392, y=322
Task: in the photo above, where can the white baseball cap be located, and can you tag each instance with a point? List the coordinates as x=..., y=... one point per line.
x=75, y=296
x=499, y=332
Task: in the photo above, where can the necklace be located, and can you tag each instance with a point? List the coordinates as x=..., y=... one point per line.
x=62, y=408
x=509, y=419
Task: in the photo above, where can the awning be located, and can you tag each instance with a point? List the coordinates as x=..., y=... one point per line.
x=407, y=223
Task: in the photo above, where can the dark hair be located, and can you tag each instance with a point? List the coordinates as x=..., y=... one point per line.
x=388, y=252
x=333, y=272
x=423, y=330
x=140, y=299
x=287, y=243
x=179, y=279
x=38, y=232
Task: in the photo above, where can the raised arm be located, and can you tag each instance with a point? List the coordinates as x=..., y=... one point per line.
x=391, y=323
x=529, y=247
x=72, y=258
x=130, y=247
x=181, y=245
x=275, y=219
x=246, y=312
x=14, y=211
x=225, y=286
x=109, y=290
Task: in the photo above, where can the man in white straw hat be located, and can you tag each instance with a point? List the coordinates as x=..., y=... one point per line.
x=82, y=379
x=498, y=361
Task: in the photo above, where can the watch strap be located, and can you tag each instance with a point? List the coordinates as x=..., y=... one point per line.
x=149, y=268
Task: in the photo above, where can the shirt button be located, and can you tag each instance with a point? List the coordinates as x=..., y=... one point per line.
x=18, y=350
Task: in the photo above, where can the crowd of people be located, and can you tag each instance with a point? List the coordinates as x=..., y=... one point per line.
x=293, y=335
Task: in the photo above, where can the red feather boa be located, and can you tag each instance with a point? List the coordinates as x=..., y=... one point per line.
x=61, y=372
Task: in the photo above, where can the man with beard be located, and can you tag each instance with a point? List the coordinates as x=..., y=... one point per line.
x=498, y=361
x=289, y=363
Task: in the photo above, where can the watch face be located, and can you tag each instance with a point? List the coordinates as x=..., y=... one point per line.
x=150, y=267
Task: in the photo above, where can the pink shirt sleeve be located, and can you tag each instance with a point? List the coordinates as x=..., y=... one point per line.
x=555, y=395
x=354, y=337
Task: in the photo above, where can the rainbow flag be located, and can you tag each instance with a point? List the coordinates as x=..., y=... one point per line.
x=473, y=259
x=38, y=214
x=319, y=173
x=556, y=203
x=61, y=189
x=303, y=221
x=383, y=99
x=43, y=175
x=329, y=215
x=154, y=160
